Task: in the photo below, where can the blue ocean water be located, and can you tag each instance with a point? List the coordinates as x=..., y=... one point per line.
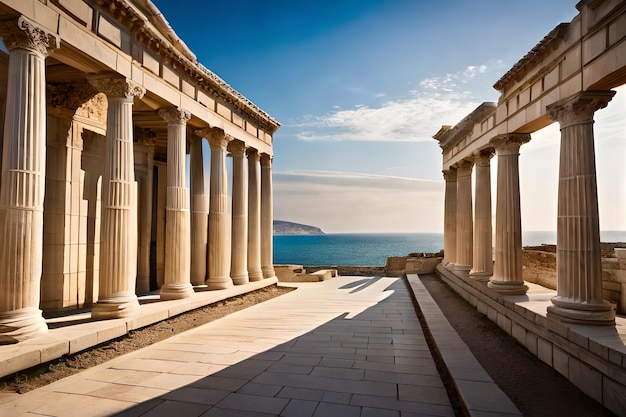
x=373, y=249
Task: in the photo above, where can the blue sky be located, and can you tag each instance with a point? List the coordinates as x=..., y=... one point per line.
x=360, y=86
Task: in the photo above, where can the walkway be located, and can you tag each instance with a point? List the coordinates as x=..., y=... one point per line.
x=350, y=346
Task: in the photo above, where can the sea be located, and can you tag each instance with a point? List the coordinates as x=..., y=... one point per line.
x=355, y=249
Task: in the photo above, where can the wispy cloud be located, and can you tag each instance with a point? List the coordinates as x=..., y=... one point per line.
x=355, y=202
x=418, y=116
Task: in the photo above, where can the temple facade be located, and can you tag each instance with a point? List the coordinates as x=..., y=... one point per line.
x=564, y=79
x=111, y=128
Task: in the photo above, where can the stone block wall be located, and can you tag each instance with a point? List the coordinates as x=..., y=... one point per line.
x=539, y=267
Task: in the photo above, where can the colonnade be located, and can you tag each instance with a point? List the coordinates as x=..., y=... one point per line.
x=579, y=274
x=199, y=246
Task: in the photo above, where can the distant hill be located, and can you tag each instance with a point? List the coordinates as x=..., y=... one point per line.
x=282, y=227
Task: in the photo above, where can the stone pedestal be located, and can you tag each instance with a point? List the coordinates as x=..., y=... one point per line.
x=449, y=220
x=219, y=236
x=579, y=268
x=254, y=216
x=177, y=216
x=507, y=275
x=482, y=266
x=464, y=218
x=118, y=248
x=23, y=180
x=199, y=214
x=239, y=253
x=267, y=217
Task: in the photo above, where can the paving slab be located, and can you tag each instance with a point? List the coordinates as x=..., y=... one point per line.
x=348, y=346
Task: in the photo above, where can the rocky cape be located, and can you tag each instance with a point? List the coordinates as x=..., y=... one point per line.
x=282, y=227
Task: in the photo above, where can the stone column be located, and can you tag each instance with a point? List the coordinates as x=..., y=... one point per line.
x=464, y=218
x=254, y=216
x=482, y=267
x=579, y=269
x=449, y=219
x=177, y=219
x=507, y=275
x=144, y=175
x=118, y=247
x=219, y=237
x=23, y=180
x=239, y=253
x=199, y=214
x=267, y=218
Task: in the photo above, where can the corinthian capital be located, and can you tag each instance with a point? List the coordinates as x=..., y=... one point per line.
x=118, y=87
x=23, y=34
x=217, y=137
x=237, y=148
x=579, y=108
x=509, y=143
x=175, y=115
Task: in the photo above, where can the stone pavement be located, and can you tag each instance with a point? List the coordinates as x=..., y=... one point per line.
x=350, y=346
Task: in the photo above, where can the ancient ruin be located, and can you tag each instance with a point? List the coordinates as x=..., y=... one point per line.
x=101, y=103
x=565, y=78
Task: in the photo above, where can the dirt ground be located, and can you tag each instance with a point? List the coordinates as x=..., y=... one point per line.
x=535, y=388
x=46, y=374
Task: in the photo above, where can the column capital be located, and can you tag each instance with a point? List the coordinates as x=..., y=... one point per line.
x=579, y=108
x=483, y=157
x=21, y=33
x=464, y=168
x=253, y=153
x=174, y=115
x=509, y=143
x=118, y=87
x=449, y=174
x=216, y=137
x=237, y=147
x=266, y=160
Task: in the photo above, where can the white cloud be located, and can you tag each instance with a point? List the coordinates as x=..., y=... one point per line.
x=354, y=202
x=417, y=117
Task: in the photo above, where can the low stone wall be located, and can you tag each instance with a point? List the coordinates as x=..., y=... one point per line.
x=539, y=267
x=359, y=271
x=400, y=265
x=591, y=357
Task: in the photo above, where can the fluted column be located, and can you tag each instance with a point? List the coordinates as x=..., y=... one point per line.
x=267, y=217
x=464, y=217
x=199, y=214
x=254, y=216
x=449, y=218
x=482, y=266
x=219, y=237
x=579, y=268
x=177, y=217
x=118, y=246
x=23, y=180
x=507, y=274
x=239, y=253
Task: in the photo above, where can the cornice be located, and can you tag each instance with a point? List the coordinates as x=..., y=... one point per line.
x=156, y=42
x=549, y=43
x=450, y=136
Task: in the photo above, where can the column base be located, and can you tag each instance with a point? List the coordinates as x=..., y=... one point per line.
x=461, y=269
x=449, y=266
x=480, y=276
x=255, y=276
x=19, y=325
x=268, y=272
x=568, y=311
x=508, y=287
x=176, y=291
x=115, y=307
x=219, y=283
x=240, y=279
